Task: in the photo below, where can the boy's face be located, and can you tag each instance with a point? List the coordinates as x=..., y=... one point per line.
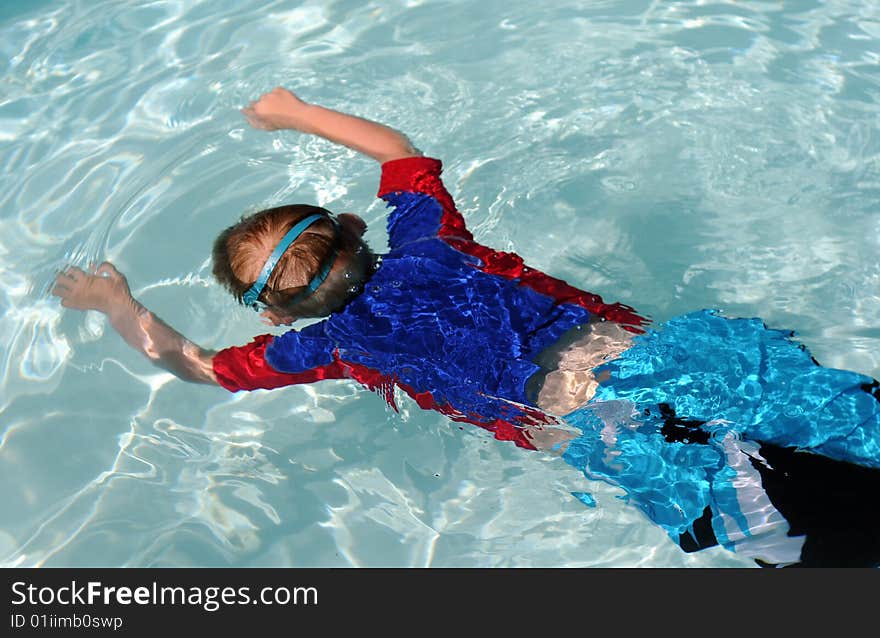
x=273, y=316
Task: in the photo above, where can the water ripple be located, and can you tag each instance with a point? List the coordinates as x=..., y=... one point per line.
x=673, y=155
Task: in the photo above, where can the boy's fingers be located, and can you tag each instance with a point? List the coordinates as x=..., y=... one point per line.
x=106, y=268
x=67, y=275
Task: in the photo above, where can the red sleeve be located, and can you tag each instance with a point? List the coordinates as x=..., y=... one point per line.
x=409, y=174
x=246, y=368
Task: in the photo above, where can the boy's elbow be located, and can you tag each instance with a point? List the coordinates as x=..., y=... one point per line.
x=200, y=377
x=204, y=368
x=192, y=366
x=398, y=153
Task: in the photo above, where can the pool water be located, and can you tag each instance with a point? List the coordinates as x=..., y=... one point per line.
x=669, y=155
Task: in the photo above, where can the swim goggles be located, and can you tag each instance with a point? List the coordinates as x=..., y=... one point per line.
x=253, y=293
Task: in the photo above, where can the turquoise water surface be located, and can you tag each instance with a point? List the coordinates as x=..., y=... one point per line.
x=671, y=155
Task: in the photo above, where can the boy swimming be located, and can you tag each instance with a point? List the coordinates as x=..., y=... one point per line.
x=454, y=324
x=678, y=417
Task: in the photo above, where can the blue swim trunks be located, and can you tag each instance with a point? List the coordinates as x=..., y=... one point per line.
x=682, y=420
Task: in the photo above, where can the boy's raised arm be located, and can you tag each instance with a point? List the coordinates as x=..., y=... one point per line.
x=281, y=109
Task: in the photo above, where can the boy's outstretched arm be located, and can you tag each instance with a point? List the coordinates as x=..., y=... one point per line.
x=281, y=109
x=107, y=291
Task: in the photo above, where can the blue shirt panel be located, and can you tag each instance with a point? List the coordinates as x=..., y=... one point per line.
x=430, y=319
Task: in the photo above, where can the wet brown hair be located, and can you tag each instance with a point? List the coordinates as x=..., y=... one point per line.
x=241, y=250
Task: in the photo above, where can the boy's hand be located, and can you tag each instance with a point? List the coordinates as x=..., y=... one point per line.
x=103, y=289
x=277, y=109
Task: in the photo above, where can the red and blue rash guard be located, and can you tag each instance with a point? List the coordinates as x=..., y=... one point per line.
x=454, y=324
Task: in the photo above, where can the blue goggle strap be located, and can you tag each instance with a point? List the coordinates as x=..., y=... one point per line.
x=317, y=280
x=253, y=293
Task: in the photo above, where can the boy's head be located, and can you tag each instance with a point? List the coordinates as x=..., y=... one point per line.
x=331, y=245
